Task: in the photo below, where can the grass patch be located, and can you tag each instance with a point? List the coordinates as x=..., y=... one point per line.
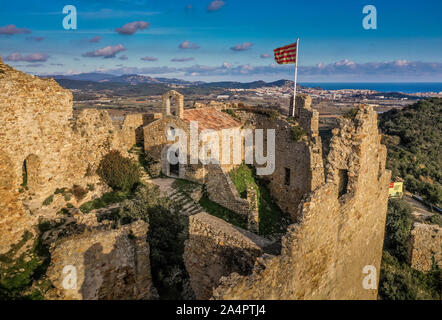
x=270, y=215
x=242, y=177
x=105, y=200
x=223, y=213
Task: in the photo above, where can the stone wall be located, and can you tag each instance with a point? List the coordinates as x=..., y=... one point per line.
x=301, y=160
x=13, y=219
x=214, y=249
x=425, y=246
x=109, y=264
x=45, y=148
x=221, y=190
x=337, y=234
x=307, y=117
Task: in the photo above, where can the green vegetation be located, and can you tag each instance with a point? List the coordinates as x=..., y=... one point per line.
x=105, y=200
x=232, y=114
x=243, y=177
x=274, y=114
x=166, y=236
x=48, y=200
x=146, y=163
x=67, y=194
x=397, y=280
x=296, y=133
x=397, y=228
x=119, y=172
x=79, y=192
x=413, y=137
x=17, y=275
x=185, y=186
x=147, y=200
x=223, y=213
x=270, y=215
x=436, y=219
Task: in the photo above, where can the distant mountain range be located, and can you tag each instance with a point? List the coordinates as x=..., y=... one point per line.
x=136, y=79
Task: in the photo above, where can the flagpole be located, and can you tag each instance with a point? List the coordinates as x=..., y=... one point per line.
x=296, y=77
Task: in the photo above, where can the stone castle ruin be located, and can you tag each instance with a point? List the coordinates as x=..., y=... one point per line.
x=337, y=206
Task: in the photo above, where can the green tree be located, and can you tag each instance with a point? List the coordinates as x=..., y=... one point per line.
x=119, y=172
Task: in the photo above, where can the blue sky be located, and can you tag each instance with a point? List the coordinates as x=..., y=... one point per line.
x=196, y=39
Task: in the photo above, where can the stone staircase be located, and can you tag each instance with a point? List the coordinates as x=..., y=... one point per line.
x=184, y=204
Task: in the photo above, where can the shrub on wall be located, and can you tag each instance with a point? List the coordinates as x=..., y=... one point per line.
x=118, y=172
x=79, y=192
x=147, y=200
x=296, y=133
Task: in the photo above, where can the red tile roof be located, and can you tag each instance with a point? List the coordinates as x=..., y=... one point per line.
x=210, y=118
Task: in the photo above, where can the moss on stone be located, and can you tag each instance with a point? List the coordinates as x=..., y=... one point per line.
x=48, y=200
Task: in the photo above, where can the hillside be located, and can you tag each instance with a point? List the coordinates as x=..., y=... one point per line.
x=413, y=137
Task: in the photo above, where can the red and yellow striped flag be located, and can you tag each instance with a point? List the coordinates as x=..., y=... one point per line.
x=286, y=54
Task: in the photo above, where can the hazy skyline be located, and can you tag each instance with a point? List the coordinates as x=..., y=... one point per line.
x=226, y=40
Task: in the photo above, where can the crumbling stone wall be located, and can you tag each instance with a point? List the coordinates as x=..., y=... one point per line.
x=215, y=248
x=177, y=109
x=45, y=147
x=132, y=130
x=221, y=190
x=337, y=235
x=425, y=246
x=109, y=264
x=307, y=117
x=300, y=159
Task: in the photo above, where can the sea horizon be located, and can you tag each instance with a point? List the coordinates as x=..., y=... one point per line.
x=405, y=87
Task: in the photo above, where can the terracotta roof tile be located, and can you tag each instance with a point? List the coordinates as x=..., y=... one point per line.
x=210, y=118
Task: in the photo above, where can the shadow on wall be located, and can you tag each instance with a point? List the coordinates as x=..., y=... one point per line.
x=103, y=278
